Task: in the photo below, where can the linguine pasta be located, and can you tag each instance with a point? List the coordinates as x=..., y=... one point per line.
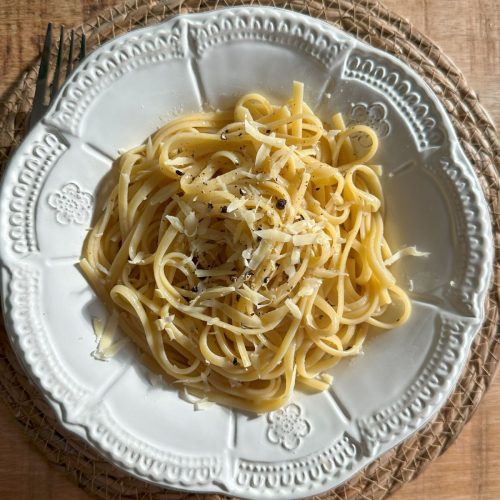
x=243, y=251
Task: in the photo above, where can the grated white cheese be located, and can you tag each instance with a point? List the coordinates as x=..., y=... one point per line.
x=138, y=258
x=204, y=377
x=273, y=235
x=247, y=255
x=293, y=308
x=175, y=222
x=99, y=355
x=279, y=164
x=263, y=176
x=262, y=154
x=102, y=269
x=249, y=175
x=295, y=257
x=162, y=323
x=203, y=404
x=309, y=287
x=235, y=204
x=185, y=208
x=108, y=334
x=249, y=217
x=254, y=297
x=170, y=332
x=156, y=380
x=328, y=273
x=189, y=398
x=215, y=292
x=331, y=134
x=112, y=350
x=316, y=226
x=191, y=224
x=205, y=273
x=297, y=227
x=262, y=252
x=290, y=271
x=98, y=325
x=408, y=251
x=305, y=239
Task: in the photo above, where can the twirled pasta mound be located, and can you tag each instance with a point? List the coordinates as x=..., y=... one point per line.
x=243, y=251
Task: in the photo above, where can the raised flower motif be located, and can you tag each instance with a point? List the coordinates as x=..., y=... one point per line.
x=72, y=205
x=287, y=427
x=373, y=115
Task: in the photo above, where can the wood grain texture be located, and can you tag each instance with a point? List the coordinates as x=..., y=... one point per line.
x=469, y=32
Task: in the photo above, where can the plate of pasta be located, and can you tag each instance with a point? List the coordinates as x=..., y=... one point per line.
x=243, y=253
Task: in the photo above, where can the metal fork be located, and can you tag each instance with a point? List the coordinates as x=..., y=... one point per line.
x=39, y=101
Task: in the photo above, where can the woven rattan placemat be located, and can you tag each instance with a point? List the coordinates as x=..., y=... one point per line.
x=373, y=23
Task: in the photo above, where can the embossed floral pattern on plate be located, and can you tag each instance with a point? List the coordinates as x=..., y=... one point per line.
x=71, y=204
x=374, y=115
x=287, y=427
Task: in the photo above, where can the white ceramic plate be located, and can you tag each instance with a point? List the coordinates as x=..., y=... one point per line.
x=123, y=92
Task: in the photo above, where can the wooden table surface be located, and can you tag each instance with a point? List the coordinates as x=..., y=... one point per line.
x=469, y=32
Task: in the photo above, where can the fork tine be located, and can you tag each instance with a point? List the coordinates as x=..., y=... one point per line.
x=69, y=67
x=41, y=83
x=83, y=48
x=57, y=72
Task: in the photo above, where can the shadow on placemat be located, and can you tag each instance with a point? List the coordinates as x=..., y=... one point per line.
x=373, y=23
